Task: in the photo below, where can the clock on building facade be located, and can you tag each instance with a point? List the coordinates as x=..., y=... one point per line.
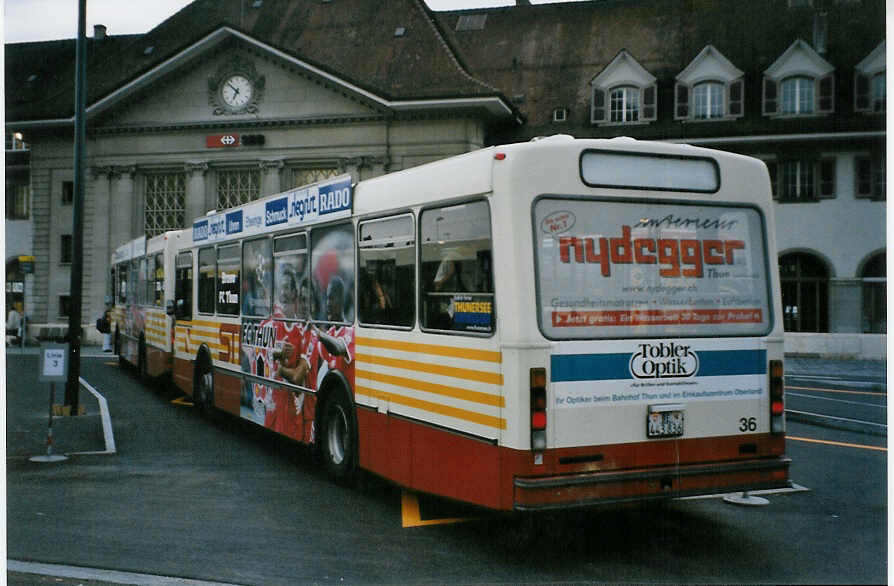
x=236, y=88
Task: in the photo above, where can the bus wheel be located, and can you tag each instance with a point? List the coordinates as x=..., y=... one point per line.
x=339, y=437
x=203, y=391
x=142, y=368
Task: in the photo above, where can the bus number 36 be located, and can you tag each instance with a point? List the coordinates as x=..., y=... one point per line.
x=748, y=424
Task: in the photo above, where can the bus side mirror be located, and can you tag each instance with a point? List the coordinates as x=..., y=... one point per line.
x=169, y=307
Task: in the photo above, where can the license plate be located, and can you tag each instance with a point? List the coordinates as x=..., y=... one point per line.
x=665, y=421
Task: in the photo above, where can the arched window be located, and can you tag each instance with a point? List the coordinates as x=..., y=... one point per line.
x=707, y=98
x=797, y=95
x=624, y=103
x=874, y=277
x=805, y=293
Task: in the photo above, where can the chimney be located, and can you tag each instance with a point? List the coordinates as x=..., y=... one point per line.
x=99, y=31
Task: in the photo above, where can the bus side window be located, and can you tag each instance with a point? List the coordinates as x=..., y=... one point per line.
x=183, y=287
x=457, y=282
x=291, y=287
x=228, y=265
x=257, y=277
x=157, y=297
x=207, y=270
x=141, y=282
x=132, y=295
x=121, y=283
x=387, y=272
x=332, y=273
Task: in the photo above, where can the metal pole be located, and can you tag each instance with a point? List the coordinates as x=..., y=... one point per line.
x=80, y=144
x=49, y=457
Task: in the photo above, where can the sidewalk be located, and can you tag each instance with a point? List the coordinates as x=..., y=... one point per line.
x=28, y=410
x=865, y=372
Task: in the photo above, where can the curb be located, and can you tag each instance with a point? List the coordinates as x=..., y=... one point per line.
x=107, y=433
x=866, y=381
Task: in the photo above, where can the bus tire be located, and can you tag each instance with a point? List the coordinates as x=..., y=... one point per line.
x=121, y=361
x=203, y=385
x=339, y=437
x=142, y=367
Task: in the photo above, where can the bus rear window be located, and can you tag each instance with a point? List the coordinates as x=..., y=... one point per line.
x=610, y=269
x=625, y=170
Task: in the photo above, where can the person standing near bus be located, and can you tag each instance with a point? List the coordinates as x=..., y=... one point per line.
x=14, y=325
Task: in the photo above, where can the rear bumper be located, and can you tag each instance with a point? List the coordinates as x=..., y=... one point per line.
x=619, y=486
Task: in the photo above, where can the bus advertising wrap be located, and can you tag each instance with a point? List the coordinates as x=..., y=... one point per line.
x=329, y=200
x=610, y=269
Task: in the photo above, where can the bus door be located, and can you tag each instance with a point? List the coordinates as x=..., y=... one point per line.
x=182, y=318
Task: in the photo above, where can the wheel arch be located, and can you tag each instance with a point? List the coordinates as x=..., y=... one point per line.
x=334, y=381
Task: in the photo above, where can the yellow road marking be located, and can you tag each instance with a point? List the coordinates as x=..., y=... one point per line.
x=111, y=364
x=840, y=444
x=184, y=400
x=837, y=391
x=410, y=516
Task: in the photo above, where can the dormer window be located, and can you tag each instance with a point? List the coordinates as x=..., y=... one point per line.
x=799, y=83
x=710, y=88
x=707, y=100
x=869, y=82
x=797, y=95
x=623, y=93
x=624, y=104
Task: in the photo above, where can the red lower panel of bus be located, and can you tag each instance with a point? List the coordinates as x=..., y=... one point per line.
x=433, y=460
x=182, y=375
x=158, y=362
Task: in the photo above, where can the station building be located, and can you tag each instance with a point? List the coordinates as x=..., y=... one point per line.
x=231, y=100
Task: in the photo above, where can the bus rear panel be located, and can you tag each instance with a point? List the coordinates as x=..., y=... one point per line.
x=656, y=295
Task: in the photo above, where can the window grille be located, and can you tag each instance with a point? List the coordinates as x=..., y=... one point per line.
x=237, y=186
x=165, y=203
x=301, y=176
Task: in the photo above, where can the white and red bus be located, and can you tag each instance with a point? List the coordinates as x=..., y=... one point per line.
x=142, y=289
x=543, y=325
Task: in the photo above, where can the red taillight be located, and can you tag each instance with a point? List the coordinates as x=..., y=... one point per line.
x=777, y=396
x=538, y=409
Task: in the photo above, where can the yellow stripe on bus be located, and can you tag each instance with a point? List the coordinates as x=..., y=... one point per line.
x=493, y=378
x=434, y=388
x=454, y=412
x=452, y=351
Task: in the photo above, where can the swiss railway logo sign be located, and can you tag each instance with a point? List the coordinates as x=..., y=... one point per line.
x=216, y=141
